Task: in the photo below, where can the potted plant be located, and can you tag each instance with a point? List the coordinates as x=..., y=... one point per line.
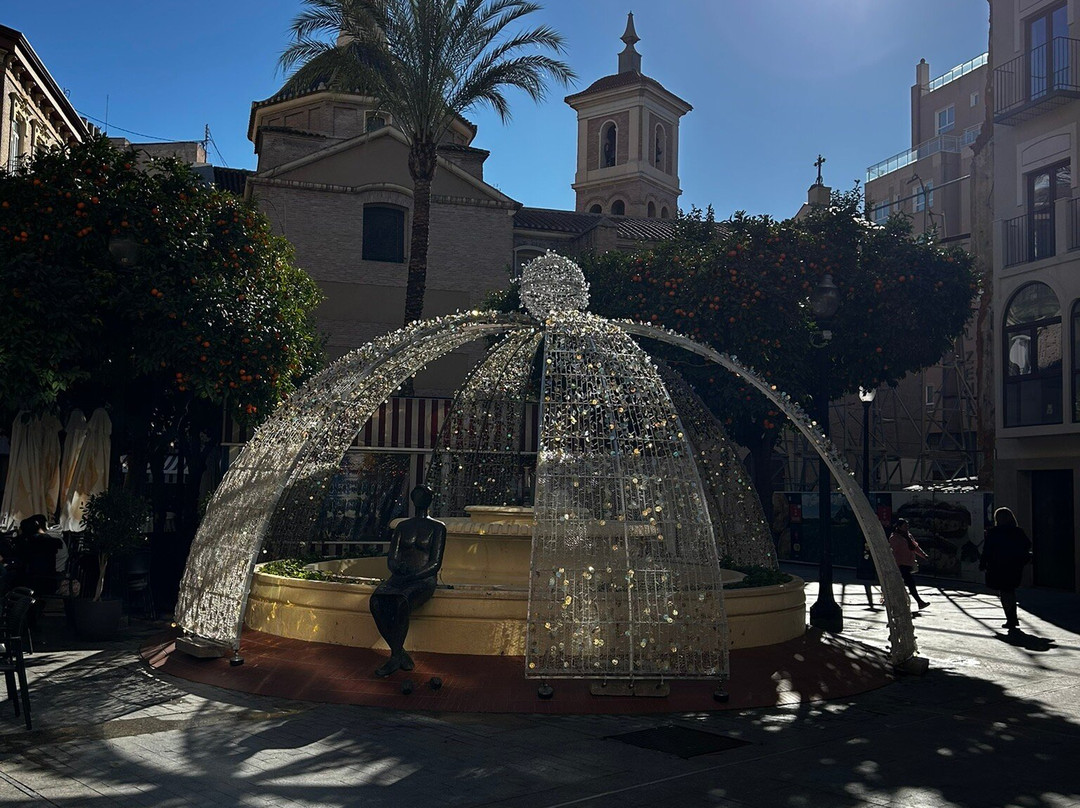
x=112, y=526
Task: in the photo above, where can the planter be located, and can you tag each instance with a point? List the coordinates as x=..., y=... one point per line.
x=95, y=619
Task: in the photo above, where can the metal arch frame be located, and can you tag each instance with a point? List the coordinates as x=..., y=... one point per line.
x=902, y=644
x=343, y=383
x=345, y=377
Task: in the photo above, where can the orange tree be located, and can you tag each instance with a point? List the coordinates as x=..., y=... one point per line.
x=743, y=286
x=142, y=289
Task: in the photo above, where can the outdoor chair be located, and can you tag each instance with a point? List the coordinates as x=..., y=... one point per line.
x=137, y=590
x=16, y=610
x=26, y=635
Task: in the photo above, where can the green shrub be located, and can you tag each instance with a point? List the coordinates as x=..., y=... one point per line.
x=294, y=568
x=756, y=575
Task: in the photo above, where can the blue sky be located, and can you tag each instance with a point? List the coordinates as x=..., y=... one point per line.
x=772, y=82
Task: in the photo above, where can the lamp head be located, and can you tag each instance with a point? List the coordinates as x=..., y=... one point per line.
x=825, y=298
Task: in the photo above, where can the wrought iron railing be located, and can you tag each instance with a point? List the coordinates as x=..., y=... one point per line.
x=1041, y=77
x=1074, y=223
x=1014, y=241
x=1029, y=237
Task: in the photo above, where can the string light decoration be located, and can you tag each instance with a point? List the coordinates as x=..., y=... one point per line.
x=485, y=454
x=742, y=534
x=625, y=580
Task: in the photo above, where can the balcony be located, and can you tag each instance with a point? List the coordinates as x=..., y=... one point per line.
x=941, y=143
x=1035, y=236
x=958, y=71
x=1043, y=78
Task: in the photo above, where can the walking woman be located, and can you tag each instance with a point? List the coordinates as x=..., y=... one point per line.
x=1006, y=551
x=905, y=550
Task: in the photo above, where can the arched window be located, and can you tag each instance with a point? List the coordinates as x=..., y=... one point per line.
x=1032, y=357
x=597, y=208
x=652, y=210
x=609, y=142
x=659, y=146
x=618, y=208
x=375, y=121
x=384, y=234
x=664, y=213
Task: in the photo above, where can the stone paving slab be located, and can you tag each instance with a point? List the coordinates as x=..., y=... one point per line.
x=995, y=722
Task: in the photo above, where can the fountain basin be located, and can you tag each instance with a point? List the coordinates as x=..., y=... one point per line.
x=482, y=601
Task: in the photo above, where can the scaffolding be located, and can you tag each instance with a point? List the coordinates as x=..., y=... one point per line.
x=923, y=431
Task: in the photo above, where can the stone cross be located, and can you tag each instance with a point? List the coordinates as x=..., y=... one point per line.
x=819, y=163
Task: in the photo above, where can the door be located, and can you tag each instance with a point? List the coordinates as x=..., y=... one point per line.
x=1052, y=529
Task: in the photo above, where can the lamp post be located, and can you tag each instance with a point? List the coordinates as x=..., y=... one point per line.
x=825, y=613
x=867, y=399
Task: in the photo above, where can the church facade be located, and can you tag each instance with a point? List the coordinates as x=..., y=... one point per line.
x=332, y=175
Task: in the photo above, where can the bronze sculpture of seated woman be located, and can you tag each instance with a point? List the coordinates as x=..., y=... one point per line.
x=416, y=553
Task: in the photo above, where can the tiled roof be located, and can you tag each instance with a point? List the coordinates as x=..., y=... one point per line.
x=645, y=229
x=231, y=179
x=564, y=221
x=574, y=223
x=630, y=78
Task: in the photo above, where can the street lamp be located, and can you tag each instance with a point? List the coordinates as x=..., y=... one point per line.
x=867, y=398
x=825, y=612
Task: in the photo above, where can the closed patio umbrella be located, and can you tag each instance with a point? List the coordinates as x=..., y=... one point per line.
x=33, y=480
x=91, y=471
x=74, y=438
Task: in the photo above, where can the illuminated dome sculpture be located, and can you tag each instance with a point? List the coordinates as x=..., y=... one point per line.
x=624, y=580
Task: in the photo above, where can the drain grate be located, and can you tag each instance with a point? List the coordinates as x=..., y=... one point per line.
x=681, y=741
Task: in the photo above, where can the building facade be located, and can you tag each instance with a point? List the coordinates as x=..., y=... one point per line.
x=923, y=431
x=332, y=175
x=1035, y=59
x=35, y=113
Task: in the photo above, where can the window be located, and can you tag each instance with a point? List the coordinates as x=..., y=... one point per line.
x=930, y=393
x=946, y=119
x=524, y=256
x=618, y=208
x=596, y=209
x=1044, y=188
x=384, y=234
x=664, y=213
x=881, y=212
x=1032, y=357
x=609, y=141
x=1048, y=52
x=1076, y=361
x=660, y=139
x=652, y=210
x=925, y=197
x=374, y=121
x=15, y=145
x=974, y=99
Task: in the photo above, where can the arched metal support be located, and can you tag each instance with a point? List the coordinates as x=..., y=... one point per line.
x=901, y=629
x=281, y=475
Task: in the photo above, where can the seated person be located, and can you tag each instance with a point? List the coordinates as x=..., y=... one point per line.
x=416, y=552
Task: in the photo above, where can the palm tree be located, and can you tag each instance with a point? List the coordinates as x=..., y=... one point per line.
x=426, y=63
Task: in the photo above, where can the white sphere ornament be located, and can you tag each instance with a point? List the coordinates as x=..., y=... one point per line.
x=553, y=282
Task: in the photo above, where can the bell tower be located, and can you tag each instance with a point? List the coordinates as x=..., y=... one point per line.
x=628, y=141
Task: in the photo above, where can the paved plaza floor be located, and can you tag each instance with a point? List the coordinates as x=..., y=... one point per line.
x=995, y=722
